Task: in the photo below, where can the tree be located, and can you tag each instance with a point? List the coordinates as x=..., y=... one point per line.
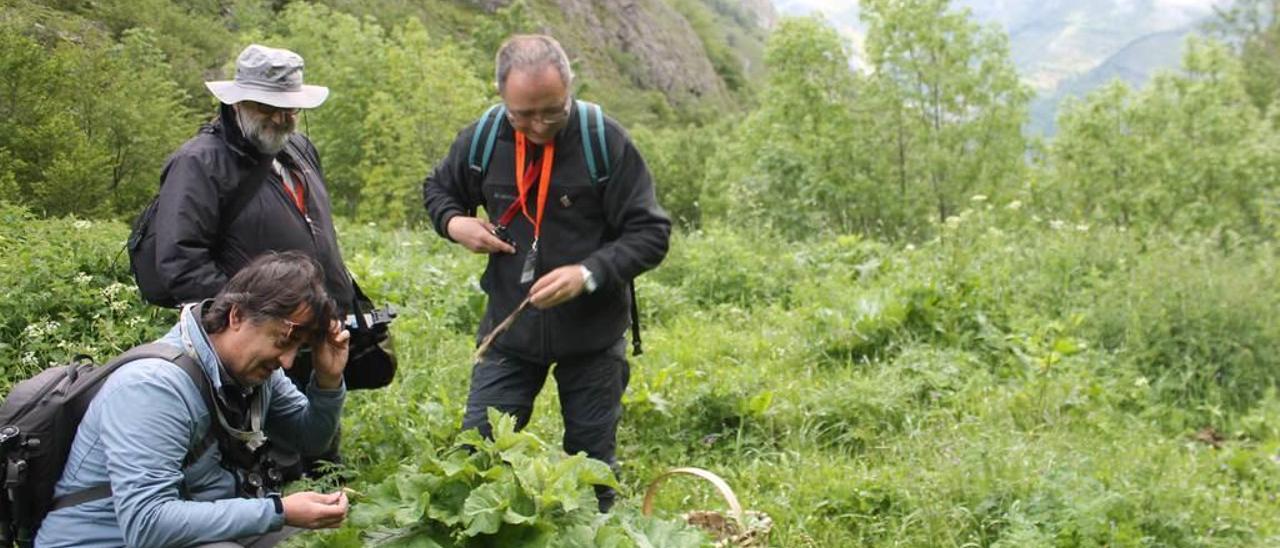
x=797, y=163
x=95, y=147
x=957, y=103
x=413, y=120
x=397, y=99
x=1191, y=151
x=1253, y=28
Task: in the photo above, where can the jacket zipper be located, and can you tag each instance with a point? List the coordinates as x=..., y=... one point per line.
x=306, y=217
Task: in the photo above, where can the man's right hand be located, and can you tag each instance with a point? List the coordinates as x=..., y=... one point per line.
x=476, y=234
x=311, y=510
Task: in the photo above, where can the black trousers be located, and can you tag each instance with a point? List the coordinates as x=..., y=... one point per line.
x=591, y=388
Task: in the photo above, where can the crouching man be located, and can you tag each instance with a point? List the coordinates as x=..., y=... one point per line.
x=154, y=464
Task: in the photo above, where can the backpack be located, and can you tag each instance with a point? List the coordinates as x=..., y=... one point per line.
x=595, y=150
x=38, y=423
x=141, y=244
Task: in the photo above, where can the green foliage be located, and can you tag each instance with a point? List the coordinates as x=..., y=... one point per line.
x=1189, y=152
x=91, y=148
x=937, y=120
x=1013, y=380
x=511, y=489
x=1254, y=30
x=956, y=101
x=678, y=159
x=63, y=292
x=790, y=165
x=728, y=64
x=397, y=98
x=1073, y=351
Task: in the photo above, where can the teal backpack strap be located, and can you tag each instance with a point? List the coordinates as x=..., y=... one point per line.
x=596, y=151
x=486, y=131
x=594, y=146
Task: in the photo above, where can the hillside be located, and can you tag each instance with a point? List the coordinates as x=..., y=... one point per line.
x=647, y=60
x=1064, y=47
x=1133, y=65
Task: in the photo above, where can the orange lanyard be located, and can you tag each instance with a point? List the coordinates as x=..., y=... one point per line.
x=544, y=182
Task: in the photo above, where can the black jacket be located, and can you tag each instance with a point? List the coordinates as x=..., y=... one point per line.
x=197, y=250
x=615, y=229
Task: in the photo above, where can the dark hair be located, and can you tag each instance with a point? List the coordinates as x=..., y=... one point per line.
x=274, y=286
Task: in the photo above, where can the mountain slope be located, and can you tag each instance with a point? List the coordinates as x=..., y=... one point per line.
x=1064, y=47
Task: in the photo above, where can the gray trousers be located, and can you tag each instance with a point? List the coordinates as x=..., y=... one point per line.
x=591, y=388
x=259, y=541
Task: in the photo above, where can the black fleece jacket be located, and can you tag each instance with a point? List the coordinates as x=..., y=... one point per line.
x=615, y=229
x=201, y=242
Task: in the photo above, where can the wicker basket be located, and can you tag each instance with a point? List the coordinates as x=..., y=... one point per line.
x=747, y=529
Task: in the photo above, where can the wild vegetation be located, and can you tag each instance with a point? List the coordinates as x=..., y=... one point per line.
x=888, y=318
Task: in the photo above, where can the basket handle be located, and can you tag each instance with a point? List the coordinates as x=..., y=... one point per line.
x=734, y=506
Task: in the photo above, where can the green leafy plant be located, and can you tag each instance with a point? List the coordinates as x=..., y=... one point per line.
x=512, y=489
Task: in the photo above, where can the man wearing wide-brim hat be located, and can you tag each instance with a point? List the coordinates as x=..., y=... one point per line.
x=244, y=185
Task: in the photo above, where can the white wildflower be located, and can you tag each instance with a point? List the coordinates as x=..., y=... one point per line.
x=114, y=289
x=83, y=279
x=1014, y=205
x=82, y=224
x=1057, y=224
x=978, y=198
x=1082, y=227
x=38, y=330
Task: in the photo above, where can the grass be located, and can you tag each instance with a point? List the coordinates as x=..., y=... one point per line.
x=1006, y=384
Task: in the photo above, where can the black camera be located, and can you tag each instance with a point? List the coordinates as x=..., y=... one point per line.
x=502, y=234
x=373, y=318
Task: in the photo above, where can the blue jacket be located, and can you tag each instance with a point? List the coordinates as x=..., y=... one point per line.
x=135, y=435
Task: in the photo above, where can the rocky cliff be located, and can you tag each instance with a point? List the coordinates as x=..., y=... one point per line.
x=648, y=42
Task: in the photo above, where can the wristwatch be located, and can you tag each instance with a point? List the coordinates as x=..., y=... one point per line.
x=588, y=280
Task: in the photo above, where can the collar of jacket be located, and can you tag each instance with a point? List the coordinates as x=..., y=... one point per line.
x=226, y=127
x=205, y=353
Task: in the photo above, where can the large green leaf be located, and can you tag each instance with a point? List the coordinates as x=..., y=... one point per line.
x=447, y=502
x=484, y=508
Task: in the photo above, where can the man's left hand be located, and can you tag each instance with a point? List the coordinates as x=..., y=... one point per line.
x=558, y=286
x=330, y=357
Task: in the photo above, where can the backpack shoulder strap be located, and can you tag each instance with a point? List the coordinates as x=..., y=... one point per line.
x=595, y=149
x=193, y=370
x=482, y=141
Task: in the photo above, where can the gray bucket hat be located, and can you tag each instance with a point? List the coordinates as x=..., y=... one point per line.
x=269, y=76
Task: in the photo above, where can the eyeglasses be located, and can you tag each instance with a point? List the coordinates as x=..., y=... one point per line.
x=548, y=117
x=294, y=333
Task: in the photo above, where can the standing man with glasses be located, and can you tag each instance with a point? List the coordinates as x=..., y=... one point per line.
x=247, y=184
x=566, y=241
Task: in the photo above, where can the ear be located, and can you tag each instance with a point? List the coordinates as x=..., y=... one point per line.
x=235, y=318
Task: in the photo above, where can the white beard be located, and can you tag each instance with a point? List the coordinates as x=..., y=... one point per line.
x=263, y=133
